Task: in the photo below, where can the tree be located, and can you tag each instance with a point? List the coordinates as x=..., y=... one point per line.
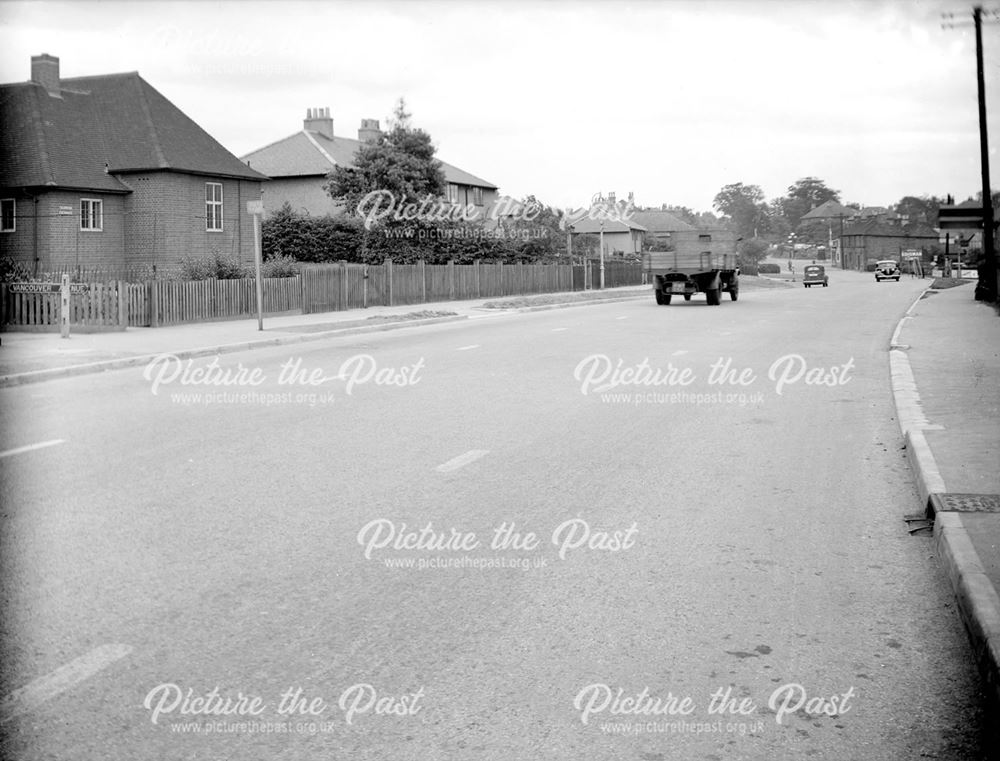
x=751, y=252
x=744, y=207
x=923, y=209
x=400, y=161
x=803, y=196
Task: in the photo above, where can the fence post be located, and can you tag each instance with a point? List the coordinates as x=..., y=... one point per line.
x=479, y=289
x=423, y=280
x=388, y=281
x=520, y=277
x=122, y=311
x=343, y=284
x=451, y=279
x=154, y=304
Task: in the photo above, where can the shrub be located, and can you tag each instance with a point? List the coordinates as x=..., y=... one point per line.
x=12, y=271
x=279, y=266
x=768, y=268
x=219, y=266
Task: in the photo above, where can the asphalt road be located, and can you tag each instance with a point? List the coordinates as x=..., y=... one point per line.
x=582, y=570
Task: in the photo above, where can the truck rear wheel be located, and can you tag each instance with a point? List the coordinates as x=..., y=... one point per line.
x=712, y=297
x=666, y=298
x=734, y=294
x=659, y=297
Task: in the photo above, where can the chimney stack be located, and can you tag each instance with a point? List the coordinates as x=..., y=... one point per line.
x=369, y=131
x=45, y=72
x=319, y=120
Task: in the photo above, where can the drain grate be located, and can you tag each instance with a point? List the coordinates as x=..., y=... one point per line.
x=965, y=503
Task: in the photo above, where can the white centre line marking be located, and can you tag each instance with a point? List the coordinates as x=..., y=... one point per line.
x=466, y=348
x=462, y=460
x=557, y=330
x=32, y=447
x=623, y=317
x=679, y=352
x=44, y=688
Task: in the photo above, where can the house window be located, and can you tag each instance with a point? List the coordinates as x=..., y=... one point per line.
x=91, y=214
x=704, y=238
x=7, y=222
x=477, y=196
x=213, y=206
x=452, y=193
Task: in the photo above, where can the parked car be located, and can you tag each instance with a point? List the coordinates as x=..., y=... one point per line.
x=814, y=274
x=887, y=269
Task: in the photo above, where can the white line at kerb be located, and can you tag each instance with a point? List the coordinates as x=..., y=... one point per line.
x=32, y=447
x=35, y=693
x=466, y=348
x=462, y=460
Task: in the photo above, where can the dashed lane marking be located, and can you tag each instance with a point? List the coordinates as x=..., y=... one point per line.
x=32, y=447
x=466, y=348
x=461, y=461
x=35, y=693
x=558, y=330
x=623, y=317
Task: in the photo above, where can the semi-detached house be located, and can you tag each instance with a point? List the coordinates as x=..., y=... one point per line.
x=298, y=166
x=104, y=171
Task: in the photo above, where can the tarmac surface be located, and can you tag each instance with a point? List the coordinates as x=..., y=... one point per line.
x=944, y=363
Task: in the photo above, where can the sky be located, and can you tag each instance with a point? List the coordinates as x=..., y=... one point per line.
x=668, y=100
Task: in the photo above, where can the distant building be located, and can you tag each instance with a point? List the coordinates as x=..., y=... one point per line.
x=104, y=171
x=867, y=241
x=621, y=238
x=298, y=166
x=661, y=226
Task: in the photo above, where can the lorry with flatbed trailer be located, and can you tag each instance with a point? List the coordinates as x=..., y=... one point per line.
x=685, y=273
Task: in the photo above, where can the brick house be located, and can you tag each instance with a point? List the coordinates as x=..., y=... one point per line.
x=622, y=238
x=105, y=172
x=298, y=166
x=868, y=241
x=661, y=226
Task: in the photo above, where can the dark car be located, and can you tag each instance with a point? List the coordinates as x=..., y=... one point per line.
x=814, y=274
x=887, y=269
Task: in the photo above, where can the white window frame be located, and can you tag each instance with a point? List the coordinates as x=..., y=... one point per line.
x=13, y=215
x=213, y=208
x=477, y=196
x=95, y=220
x=452, y=192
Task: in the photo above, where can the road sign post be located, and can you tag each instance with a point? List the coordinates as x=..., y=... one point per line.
x=257, y=209
x=64, y=307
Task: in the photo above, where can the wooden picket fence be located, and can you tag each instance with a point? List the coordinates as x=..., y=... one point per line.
x=319, y=288
x=100, y=308
x=331, y=287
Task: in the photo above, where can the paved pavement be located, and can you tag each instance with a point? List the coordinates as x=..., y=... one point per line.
x=945, y=364
x=32, y=357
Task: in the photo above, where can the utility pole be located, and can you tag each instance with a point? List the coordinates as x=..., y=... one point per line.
x=987, y=288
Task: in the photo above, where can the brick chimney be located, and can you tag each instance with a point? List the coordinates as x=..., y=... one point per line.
x=319, y=120
x=45, y=72
x=369, y=131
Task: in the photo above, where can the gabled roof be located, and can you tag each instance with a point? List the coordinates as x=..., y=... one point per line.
x=830, y=210
x=98, y=127
x=875, y=227
x=588, y=225
x=660, y=221
x=313, y=154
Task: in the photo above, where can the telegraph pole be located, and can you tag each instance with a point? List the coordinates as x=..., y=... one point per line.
x=987, y=290
x=987, y=287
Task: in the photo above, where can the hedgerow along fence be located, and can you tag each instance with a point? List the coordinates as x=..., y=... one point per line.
x=318, y=288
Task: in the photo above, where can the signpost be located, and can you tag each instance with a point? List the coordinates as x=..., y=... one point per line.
x=65, y=289
x=257, y=209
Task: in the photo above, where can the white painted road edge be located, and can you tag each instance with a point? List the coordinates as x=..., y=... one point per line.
x=462, y=460
x=977, y=599
x=32, y=447
x=35, y=693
